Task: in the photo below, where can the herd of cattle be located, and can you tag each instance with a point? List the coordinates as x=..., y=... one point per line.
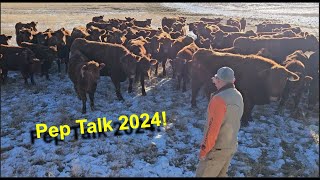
x=269, y=64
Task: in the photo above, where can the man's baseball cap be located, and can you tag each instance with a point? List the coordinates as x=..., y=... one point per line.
x=225, y=74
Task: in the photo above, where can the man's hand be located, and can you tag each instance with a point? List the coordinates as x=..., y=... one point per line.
x=202, y=154
x=202, y=158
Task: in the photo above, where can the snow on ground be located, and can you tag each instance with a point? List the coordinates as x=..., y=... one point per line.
x=270, y=146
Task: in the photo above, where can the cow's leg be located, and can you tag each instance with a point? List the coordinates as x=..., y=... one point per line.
x=297, y=99
x=248, y=106
x=195, y=85
x=284, y=98
x=4, y=75
x=25, y=79
x=208, y=90
x=130, y=85
x=143, y=90
x=173, y=72
x=117, y=86
x=32, y=80
x=137, y=76
x=172, y=63
x=178, y=82
x=91, y=96
x=46, y=67
x=83, y=97
x=76, y=89
x=164, y=68
x=66, y=63
x=42, y=69
x=47, y=74
x=25, y=75
x=184, y=84
x=59, y=64
x=156, y=69
x=313, y=93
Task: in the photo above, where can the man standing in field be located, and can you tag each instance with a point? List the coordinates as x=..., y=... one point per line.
x=223, y=123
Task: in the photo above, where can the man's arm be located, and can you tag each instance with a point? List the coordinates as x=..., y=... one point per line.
x=217, y=110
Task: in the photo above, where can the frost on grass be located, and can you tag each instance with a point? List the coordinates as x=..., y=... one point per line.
x=270, y=146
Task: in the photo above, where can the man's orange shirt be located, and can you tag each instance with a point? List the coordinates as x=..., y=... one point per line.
x=217, y=110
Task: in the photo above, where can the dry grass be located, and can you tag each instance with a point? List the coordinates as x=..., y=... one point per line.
x=79, y=171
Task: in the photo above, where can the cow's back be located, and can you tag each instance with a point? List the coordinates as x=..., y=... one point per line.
x=106, y=53
x=15, y=57
x=278, y=47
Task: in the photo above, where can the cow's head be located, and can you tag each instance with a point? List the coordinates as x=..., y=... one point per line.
x=129, y=63
x=4, y=39
x=33, y=25
x=182, y=19
x=260, y=27
x=178, y=65
x=217, y=37
x=143, y=33
x=58, y=38
x=41, y=38
x=312, y=43
x=31, y=57
x=129, y=19
x=90, y=73
x=251, y=33
x=204, y=43
x=148, y=21
x=52, y=52
x=25, y=35
x=192, y=26
x=296, y=30
x=144, y=66
x=131, y=34
x=95, y=34
x=118, y=36
x=177, y=26
x=165, y=45
x=297, y=55
x=200, y=25
x=166, y=29
x=97, y=18
x=298, y=68
x=153, y=46
x=274, y=80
